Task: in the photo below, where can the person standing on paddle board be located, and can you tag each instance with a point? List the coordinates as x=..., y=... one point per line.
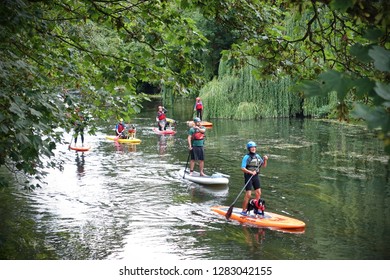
x=120, y=129
x=198, y=108
x=250, y=165
x=79, y=126
x=161, y=118
x=195, y=140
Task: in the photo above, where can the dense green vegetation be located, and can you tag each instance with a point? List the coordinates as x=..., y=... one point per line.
x=101, y=56
x=237, y=94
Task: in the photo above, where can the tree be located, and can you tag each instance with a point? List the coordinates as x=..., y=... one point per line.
x=60, y=55
x=335, y=46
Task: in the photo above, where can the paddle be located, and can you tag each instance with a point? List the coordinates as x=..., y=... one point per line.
x=230, y=210
x=188, y=159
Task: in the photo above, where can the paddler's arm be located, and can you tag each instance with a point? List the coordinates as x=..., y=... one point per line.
x=265, y=160
x=189, y=140
x=201, y=129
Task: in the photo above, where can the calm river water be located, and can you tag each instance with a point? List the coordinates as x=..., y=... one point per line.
x=121, y=201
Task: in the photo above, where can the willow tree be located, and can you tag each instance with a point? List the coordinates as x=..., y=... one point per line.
x=237, y=94
x=62, y=54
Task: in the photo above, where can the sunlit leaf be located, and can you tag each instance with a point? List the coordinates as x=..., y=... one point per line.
x=383, y=90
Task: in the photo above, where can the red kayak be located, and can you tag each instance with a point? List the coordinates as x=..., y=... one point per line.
x=164, y=132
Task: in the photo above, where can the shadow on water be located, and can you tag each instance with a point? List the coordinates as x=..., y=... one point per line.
x=118, y=200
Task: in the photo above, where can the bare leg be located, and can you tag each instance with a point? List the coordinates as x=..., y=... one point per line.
x=246, y=200
x=258, y=194
x=192, y=164
x=201, y=166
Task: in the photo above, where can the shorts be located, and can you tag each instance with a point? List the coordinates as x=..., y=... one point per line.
x=254, y=182
x=197, y=153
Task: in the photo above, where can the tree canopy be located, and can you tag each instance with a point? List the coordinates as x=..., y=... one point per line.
x=329, y=46
x=59, y=55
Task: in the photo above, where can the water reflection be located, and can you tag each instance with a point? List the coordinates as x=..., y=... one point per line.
x=164, y=143
x=254, y=237
x=80, y=162
x=125, y=147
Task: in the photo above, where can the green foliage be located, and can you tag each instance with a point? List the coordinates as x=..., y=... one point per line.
x=330, y=47
x=238, y=94
x=60, y=55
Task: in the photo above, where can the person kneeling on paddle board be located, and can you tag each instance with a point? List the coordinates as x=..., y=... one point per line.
x=120, y=129
x=195, y=140
x=250, y=165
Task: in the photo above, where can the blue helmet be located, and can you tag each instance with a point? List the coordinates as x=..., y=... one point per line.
x=196, y=119
x=250, y=144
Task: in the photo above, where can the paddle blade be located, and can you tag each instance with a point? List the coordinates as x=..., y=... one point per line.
x=229, y=212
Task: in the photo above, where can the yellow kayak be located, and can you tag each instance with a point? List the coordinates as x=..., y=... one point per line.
x=120, y=140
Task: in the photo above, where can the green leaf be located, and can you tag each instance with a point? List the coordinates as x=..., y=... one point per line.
x=361, y=53
x=373, y=34
x=14, y=108
x=383, y=90
x=35, y=113
x=310, y=88
x=336, y=81
x=364, y=87
x=381, y=58
x=341, y=5
x=375, y=117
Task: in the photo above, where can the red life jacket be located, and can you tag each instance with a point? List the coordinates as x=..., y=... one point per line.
x=161, y=116
x=121, y=127
x=199, y=106
x=198, y=135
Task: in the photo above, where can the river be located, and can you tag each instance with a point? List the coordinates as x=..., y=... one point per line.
x=121, y=201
